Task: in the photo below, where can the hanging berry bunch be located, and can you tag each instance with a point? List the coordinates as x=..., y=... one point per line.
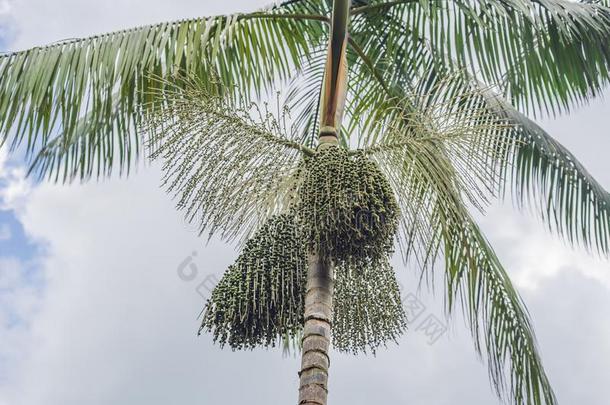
x=261, y=297
x=368, y=311
x=344, y=209
x=347, y=207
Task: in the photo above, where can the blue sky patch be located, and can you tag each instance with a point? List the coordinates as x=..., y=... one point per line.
x=13, y=241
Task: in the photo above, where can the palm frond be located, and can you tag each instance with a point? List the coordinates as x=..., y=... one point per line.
x=433, y=184
x=526, y=159
x=432, y=142
x=79, y=97
x=544, y=174
x=531, y=166
x=498, y=319
x=546, y=55
x=231, y=165
x=387, y=70
x=433, y=175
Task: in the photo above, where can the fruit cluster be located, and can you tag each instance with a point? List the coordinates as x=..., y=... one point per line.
x=261, y=296
x=367, y=307
x=347, y=207
x=343, y=209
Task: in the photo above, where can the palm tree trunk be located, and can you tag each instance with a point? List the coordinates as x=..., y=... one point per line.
x=334, y=89
x=315, y=360
x=313, y=389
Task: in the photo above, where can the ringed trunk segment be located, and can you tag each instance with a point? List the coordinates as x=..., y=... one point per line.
x=315, y=361
x=334, y=89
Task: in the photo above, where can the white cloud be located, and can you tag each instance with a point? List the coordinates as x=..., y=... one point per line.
x=534, y=254
x=5, y=7
x=19, y=299
x=10, y=272
x=14, y=187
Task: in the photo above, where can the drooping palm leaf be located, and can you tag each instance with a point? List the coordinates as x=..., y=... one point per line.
x=537, y=167
x=497, y=316
x=548, y=54
x=499, y=149
x=433, y=177
x=544, y=174
x=76, y=100
x=437, y=142
x=303, y=97
x=515, y=152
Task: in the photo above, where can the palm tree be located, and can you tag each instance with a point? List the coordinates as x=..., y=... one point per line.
x=413, y=113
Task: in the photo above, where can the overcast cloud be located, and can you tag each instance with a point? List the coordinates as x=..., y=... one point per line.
x=96, y=312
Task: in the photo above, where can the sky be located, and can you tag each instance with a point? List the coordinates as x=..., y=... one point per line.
x=93, y=309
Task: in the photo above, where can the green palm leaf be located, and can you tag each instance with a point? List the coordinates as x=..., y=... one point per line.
x=544, y=174
x=526, y=160
x=496, y=314
x=547, y=54
x=430, y=172
x=76, y=100
x=433, y=178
